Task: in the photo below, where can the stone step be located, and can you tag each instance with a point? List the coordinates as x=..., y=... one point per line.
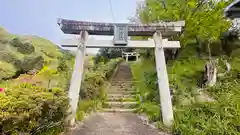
x=118, y=110
x=121, y=99
x=121, y=84
x=120, y=95
x=122, y=79
x=120, y=87
x=124, y=105
x=123, y=92
x=131, y=81
x=126, y=82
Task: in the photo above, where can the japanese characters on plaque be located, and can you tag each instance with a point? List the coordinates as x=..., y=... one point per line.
x=120, y=34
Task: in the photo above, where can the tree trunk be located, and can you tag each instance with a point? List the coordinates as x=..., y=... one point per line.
x=211, y=72
x=211, y=69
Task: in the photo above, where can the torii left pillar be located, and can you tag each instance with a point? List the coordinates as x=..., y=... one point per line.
x=77, y=76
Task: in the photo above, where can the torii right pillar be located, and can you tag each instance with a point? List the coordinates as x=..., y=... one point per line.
x=163, y=84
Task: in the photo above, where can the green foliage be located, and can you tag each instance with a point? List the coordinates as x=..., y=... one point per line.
x=139, y=71
x=92, y=92
x=32, y=109
x=152, y=110
x=93, y=82
x=87, y=106
x=43, y=46
x=6, y=70
x=236, y=53
x=215, y=48
x=5, y=36
x=25, y=48
x=191, y=116
x=94, y=79
x=62, y=66
x=143, y=73
x=27, y=53
x=32, y=62
x=199, y=16
x=28, y=105
x=105, y=54
x=204, y=24
x=204, y=21
x=11, y=58
x=221, y=117
x=48, y=74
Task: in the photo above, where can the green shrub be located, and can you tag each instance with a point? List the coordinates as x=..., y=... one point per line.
x=5, y=36
x=10, y=57
x=215, y=48
x=32, y=62
x=86, y=106
x=152, y=110
x=94, y=79
x=25, y=48
x=62, y=66
x=25, y=64
x=30, y=109
x=43, y=46
x=190, y=116
x=235, y=53
x=221, y=117
x=92, y=91
x=6, y=70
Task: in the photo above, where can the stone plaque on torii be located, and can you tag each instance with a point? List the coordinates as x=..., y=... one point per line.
x=121, y=31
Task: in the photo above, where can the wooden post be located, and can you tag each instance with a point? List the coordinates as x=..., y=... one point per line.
x=163, y=85
x=127, y=57
x=77, y=76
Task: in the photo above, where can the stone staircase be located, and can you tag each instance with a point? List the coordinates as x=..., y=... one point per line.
x=116, y=118
x=120, y=96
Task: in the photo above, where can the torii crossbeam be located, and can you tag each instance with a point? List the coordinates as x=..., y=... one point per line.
x=121, y=31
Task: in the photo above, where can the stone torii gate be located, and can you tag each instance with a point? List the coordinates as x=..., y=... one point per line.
x=127, y=54
x=121, y=31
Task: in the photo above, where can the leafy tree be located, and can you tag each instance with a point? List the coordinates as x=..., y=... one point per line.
x=48, y=74
x=203, y=19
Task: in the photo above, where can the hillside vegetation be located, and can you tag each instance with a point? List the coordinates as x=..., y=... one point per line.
x=198, y=108
x=34, y=75
x=34, y=81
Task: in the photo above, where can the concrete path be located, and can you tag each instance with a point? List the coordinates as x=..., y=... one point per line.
x=114, y=124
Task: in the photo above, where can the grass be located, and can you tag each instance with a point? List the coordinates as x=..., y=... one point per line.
x=87, y=106
x=191, y=117
x=138, y=69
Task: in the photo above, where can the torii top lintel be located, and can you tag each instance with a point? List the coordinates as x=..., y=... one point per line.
x=99, y=28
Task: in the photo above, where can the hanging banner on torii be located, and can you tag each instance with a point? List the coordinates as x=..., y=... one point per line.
x=158, y=31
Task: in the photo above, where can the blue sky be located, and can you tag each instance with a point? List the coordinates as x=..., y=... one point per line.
x=39, y=17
